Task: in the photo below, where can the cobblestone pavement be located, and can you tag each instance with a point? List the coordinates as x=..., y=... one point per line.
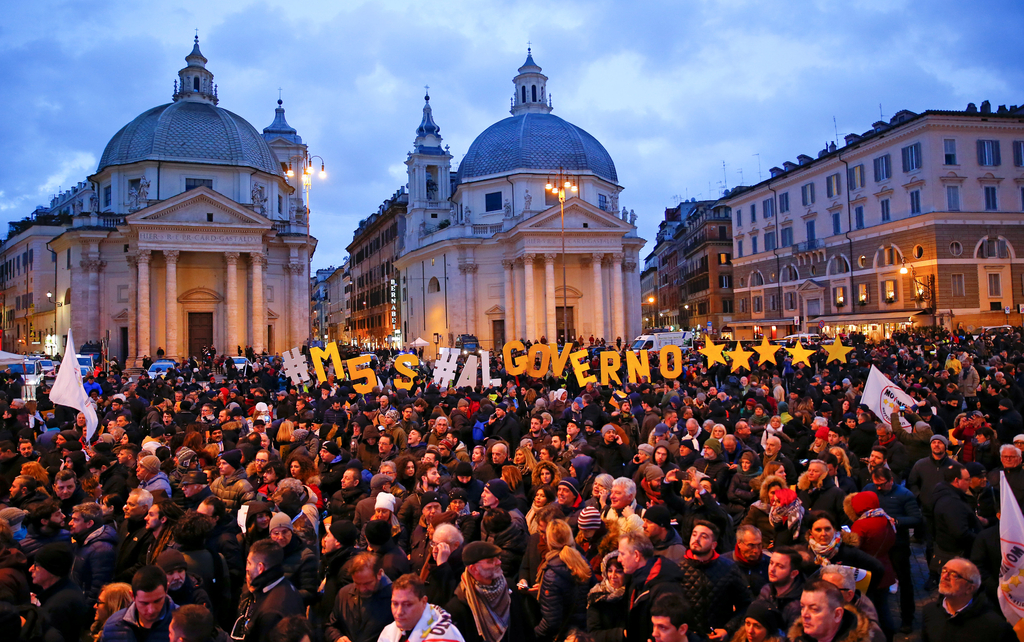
x=919, y=571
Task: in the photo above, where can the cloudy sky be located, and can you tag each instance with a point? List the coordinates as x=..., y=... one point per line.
x=672, y=89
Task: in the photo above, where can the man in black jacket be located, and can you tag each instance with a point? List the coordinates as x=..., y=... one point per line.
x=133, y=535
x=363, y=608
x=962, y=612
x=649, y=578
x=270, y=597
x=955, y=522
x=59, y=598
x=490, y=602
x=716, y=589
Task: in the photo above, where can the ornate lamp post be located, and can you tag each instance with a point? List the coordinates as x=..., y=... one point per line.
x=563, y=184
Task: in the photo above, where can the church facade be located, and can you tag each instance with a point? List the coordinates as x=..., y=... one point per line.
x=485, y=251
x=193, y=236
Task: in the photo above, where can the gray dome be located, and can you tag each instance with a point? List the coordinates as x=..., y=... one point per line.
x=190, y=132
x=535, y=141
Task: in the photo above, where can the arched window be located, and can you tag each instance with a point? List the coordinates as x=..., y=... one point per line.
x=433, y=285
x=840, y=265
x=67, y=297
x=533, y=92
x=789, y=273
x=524, y=93
x=756, y=279
x=195, y=83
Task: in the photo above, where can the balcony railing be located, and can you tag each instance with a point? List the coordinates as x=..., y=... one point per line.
x=807, y=246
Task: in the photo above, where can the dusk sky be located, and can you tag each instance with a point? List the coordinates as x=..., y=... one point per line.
x=671, y=89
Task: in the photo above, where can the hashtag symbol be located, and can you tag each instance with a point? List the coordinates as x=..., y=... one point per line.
x=444, y=367
x=296, y=366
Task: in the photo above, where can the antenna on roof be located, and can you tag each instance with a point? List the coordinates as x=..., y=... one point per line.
x=740, y=171
x=758, y=166
x=880, y=115
x=836, y=127
x=725, y=182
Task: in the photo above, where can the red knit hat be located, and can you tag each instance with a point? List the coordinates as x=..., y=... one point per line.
x=864, y=501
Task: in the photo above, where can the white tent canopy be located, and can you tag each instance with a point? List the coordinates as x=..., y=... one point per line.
x=7, y=358
x=419, y=343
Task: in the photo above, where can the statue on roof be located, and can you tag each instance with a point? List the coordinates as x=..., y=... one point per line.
x=259, y=199
x=527, y=200
x=508, y=209
x=625, y=214
x=632, y=217
x=143, y=189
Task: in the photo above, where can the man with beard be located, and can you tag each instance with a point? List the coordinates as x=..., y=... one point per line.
x=95, y=550
x=60, y=599
x=785, y=584
x=363, y=608
x=270, y=597
x=135, y=538
x=962, y=612
x=483, y=609
x=26, y=490
x=715, y=588
x=183, y=587
x=45, y=526
x=10, y=462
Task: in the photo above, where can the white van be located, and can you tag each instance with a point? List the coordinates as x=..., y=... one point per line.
x=805, y=339
x=659, y=340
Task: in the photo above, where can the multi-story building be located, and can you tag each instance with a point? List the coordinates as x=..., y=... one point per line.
x=915, y=222
x=649, y=291
x=29, y=296
x=376, y=314
x=667, y=303
x=338, y=286
x=319, y=304
x=706, y=268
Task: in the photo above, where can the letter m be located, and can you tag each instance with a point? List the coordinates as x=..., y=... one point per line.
x=319, y=355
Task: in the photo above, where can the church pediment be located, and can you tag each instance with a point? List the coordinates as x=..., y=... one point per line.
x=194, y=209
x=579, y=215
x=200, y=295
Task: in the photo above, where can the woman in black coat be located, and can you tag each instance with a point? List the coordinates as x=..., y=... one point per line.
x=607, y=606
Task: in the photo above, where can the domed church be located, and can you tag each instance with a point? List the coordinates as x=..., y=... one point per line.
x=482, y=250
x=194, y=236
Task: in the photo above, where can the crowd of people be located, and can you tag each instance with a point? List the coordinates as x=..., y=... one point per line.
x=749, y=507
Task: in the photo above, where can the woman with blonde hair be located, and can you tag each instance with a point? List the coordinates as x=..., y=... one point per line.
x=844, y=474
x=284, y=438
x=564, y=578
x=525, y=461
x=113, y=598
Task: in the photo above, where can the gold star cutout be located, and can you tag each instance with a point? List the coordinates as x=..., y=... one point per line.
x=800, y=353
x=740, y=357
x=837, y=351
x=766, y=351
x=713, y=352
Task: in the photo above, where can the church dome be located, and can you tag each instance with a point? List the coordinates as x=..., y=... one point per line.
x=536, y=141
x=190, y=132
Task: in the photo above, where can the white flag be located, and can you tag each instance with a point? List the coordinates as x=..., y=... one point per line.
x=1011, y=547
x=884, y=397
x=69, y=391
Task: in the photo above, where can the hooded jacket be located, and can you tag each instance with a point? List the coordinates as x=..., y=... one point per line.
x=95, y=558
x=854, y=627
x=955, y=523
x=824, y=495
x=876, y=534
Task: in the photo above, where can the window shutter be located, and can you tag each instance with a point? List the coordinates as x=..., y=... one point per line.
x=1018, y=153
x=906, y=159
x=996, y=160
x=981, y=152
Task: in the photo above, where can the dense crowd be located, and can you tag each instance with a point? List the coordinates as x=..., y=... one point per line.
x=718, y=505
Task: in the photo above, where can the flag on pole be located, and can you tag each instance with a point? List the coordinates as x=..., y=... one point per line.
x=883, y=397
x=1011, y=548
x=69, y=391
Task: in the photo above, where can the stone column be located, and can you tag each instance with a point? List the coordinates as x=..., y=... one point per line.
x=598, y=298
x=232, y=297
x=618, y=302
x=92, y=324
x=509, y=302
x=133, y=310
x=549, y=297
x=257, y=261
x=144, y=347
x=469, y=278
x=632, y=303
x=296, y=318
x=171, y=304
x=528, y=300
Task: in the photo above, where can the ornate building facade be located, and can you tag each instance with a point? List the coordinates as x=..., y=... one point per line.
x=481, y=251
x=193, y=237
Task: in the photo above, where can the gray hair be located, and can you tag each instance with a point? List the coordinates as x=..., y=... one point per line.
x=638, y=542
x=142, y=497
x=1006, y=448
x=390, y=465
x=604, y=479
x=820, y=421
x=448, y=534
x=971, y=573
x=625, y=484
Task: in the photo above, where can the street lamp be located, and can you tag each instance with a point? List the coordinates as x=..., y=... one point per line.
x=563, y=184
x=306, y=165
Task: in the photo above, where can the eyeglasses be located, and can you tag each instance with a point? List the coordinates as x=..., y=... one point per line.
x=953, y=575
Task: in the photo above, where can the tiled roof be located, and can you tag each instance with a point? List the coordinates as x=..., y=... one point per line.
x=536, y=141
x=194, y=132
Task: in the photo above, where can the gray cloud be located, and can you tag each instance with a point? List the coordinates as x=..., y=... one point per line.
x=671, y=89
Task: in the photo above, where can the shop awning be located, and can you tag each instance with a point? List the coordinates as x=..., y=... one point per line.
x=762, y=322
x=868, y=318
